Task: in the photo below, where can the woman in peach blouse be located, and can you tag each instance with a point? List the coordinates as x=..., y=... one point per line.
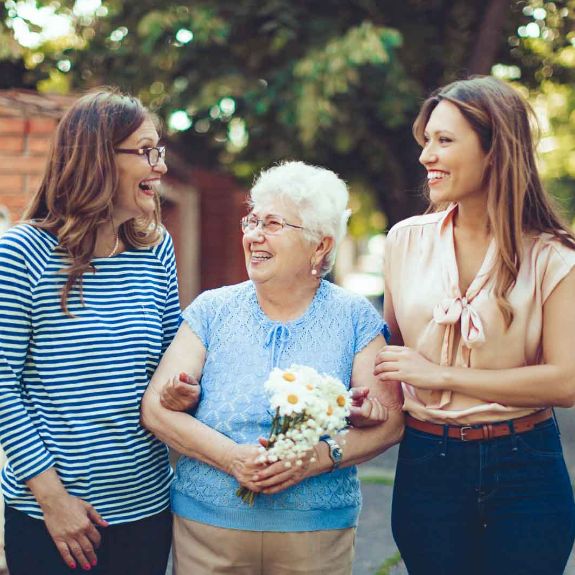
x=480, y=297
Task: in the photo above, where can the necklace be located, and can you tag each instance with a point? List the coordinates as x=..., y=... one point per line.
x=116, y=245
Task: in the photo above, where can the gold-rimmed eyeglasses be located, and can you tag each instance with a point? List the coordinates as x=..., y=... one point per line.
x=269, y=225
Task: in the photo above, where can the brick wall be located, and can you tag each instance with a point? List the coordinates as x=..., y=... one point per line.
x=24, y=145
x=222, y=205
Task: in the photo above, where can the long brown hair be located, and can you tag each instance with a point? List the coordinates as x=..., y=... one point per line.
x=81, y=181
x=516, y=200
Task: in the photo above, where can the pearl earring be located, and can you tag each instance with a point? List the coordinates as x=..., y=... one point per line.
x=313, y=272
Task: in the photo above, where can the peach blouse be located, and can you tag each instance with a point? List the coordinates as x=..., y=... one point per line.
x=466, y=330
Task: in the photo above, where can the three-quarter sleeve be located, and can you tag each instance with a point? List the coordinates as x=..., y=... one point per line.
x=171, y=315
x=26, y=452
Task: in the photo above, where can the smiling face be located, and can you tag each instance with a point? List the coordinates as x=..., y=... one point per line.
x=284, y=258
x=453, y=156
x=138, y=181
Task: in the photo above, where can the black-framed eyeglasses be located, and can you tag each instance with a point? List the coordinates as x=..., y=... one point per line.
x=154, y=154
x=270, y=224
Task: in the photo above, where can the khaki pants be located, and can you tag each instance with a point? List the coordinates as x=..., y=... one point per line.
x=200, y=549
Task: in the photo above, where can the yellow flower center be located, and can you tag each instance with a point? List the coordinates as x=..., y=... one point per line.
x=292, y=398
x=289, y=376
x=340, y=400
x=329, y=410
x=309, y=386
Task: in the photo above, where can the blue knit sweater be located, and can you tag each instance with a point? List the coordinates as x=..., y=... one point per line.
x=243, y=345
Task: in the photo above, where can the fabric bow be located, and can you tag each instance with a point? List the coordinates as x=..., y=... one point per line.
x=451, y=310
x=278, y=334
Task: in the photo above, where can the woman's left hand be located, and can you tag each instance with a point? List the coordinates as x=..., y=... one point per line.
x=400, y=363
x=283, y=474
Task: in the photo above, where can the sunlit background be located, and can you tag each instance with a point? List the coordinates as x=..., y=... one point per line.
x=242, y=85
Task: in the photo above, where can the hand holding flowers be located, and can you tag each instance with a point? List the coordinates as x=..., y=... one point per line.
x=307, y=406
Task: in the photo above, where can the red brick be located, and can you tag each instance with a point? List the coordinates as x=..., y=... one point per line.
x=11, y=144
x=42, y=125
x=38, y=146
x=33, y=183
x=9, y=125
x=12, y=183
x=15, y=205
x=21, y=165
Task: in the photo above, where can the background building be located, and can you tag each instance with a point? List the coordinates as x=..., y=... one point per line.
x=201, y=208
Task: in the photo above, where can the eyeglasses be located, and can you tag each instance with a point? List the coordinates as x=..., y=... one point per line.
x=154, y=154
x=270, y=224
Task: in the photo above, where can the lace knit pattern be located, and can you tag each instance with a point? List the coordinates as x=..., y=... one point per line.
x=243, y=345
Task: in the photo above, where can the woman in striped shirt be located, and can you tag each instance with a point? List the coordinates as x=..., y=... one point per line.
x=88, y=304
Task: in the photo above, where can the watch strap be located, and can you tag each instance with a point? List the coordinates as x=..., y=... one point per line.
x=334, y=451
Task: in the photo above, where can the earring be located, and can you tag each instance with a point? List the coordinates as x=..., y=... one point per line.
x=313, y=270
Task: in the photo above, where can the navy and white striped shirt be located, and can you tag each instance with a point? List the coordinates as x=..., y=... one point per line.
x=70, y=388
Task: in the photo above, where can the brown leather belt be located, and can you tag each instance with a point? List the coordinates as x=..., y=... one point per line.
x=482, y=431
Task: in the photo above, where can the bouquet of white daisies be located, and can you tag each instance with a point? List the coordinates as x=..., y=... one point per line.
x=307, y=405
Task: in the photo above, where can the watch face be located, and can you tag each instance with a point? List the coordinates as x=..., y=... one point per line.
x=336, y=453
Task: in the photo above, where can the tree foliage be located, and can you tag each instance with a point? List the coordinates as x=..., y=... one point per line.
x=335, y=83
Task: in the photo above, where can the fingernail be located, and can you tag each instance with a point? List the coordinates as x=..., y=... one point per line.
x=86, y=567
x=94, y=563
x=72, y=565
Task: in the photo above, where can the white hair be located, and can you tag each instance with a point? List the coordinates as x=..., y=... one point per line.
x=318, y=194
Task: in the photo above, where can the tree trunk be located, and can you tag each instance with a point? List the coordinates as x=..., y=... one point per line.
x=488, y=40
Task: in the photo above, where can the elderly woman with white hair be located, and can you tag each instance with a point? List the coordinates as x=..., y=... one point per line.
x=304, y=517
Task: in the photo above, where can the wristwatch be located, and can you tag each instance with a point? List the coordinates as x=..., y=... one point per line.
x=335, y=452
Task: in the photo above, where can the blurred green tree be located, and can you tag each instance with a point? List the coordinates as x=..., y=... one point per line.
x=246, y=83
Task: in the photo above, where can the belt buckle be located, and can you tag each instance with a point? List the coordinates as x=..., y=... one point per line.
x=463, y=432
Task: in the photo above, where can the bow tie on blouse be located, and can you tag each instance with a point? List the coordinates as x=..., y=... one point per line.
x=448, y=312
x=456, y=308
x=451, y=310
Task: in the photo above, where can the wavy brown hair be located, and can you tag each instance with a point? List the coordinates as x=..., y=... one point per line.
x=517, y=203
x=81, y=181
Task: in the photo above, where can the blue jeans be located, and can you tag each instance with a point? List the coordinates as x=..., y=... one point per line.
x=498, y=507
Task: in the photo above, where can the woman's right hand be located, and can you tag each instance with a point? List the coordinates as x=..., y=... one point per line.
x=180, y=393
x=366, y=411
x=72, y=523
x=244, y=463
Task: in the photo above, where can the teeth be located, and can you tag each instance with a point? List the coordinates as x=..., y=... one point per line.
x=260, y=256
x=151, y=185
x=434, y=175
